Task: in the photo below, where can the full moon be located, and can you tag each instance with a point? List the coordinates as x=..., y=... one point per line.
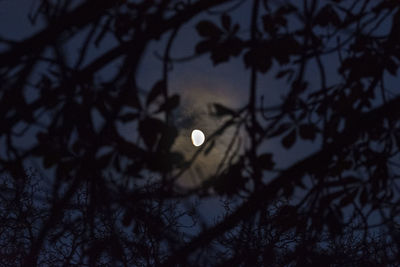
x=198, y=137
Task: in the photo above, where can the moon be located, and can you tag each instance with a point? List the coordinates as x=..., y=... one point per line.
x=197, y=137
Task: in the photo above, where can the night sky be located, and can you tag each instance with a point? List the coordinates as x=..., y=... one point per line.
x=200, y=85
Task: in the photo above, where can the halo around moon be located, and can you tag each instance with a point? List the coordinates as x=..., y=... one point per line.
x=197, y=137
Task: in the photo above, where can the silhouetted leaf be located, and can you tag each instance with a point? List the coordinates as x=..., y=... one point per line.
x=226, y=21
x=128, y=117
x=222, y=51
x=286, y=218
x=207, y=28
x=130, y=97
x=231, y=181
x=289, y=140
x=334, y=223
x=205, y=46
x=280, y=129
x=127, y=218
x=281, y=74
x=348, y=198
x=105, y=159
x=164, y=161
x=265, y=161
x=299, y=86
x=327, y=199
x=50, y=160
x=358, y=67
x=283, y=48
x=363, y=198
x=171, y=103
x=221, y=110
x=327, y=15
x=150, y=129
x=269, y=25
x=348, y=180
x=391, y=66
x=167, y=138
x=259, y=58
x=286, y=9
x=308, y=131
x=156, y=91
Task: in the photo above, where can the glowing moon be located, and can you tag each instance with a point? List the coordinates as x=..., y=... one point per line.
x=198, y=137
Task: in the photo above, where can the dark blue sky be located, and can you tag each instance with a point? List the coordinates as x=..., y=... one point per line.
x=196, y=79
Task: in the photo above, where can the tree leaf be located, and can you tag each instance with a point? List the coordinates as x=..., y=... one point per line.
x=280, y=130
x=327, y=15
x=130, y=97
x=259, y=58
x=105, y=160
x=167, y=138
x=391, y=66
x=283, y=73
x=344, y=181
x=221, y=110
x=171, y=103
x=231, y=181
x=265, y=161
x=349, y=198
x=128, y=117
x=205, y=46
x=157, y=90
x=150, y=129
x=226, y=21
x=207, y=28
x=363, y=198
x=289, y=140
x=308, y=131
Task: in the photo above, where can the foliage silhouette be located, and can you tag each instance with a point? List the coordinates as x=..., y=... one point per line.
x=83, y=194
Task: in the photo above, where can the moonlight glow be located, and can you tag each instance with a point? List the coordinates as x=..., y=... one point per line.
x=198, y=137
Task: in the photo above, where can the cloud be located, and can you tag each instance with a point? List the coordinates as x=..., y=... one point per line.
x=194, y=113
